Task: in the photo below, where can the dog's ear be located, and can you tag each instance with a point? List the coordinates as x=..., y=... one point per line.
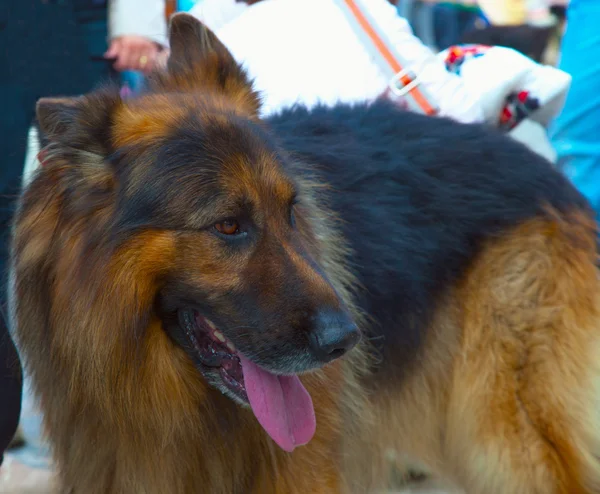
x=56, y=115
x=199, y=60
x=82, y=123
x=193, y=45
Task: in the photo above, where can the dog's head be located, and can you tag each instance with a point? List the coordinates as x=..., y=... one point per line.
x=241, y=285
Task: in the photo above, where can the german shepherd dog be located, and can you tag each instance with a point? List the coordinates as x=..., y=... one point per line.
x=209, y=302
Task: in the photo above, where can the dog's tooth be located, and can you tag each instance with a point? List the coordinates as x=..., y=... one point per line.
x=230, y=346
x=211, y=324
x=219, y=336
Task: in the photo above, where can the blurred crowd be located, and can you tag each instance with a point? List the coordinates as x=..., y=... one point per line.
x=303, y=51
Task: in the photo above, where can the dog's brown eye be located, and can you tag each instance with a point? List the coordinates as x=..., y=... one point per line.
x=228, y=227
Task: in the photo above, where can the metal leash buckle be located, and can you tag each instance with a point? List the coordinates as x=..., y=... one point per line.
x=398, y=87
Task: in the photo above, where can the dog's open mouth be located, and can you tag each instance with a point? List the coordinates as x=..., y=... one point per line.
x=216, y=351
x=280, y=403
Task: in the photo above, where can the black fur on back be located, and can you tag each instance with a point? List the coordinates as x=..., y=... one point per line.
x=417, y=196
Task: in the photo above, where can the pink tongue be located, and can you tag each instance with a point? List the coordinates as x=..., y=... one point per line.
x=281, y=404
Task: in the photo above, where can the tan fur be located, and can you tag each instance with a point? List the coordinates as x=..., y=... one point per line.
x=126, y=412
x=527, y=375
x=505, y=398
x=115, y=410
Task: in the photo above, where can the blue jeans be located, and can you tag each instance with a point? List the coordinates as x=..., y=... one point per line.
x=438, y=25
x=576, y=132
x=451, y=22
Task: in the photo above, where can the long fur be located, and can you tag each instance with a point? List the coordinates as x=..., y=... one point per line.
x=468, y=261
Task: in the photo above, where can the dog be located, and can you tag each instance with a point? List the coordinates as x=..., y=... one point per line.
x=317, y=302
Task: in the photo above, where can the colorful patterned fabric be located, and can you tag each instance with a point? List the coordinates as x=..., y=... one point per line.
x=509, y=86
x=457, y=55
x=519, y=105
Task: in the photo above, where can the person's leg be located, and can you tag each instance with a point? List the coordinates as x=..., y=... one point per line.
x=424, y=19
x=39, y=60
x=575, y=134
x=14, y=123
x=445, y=21
x=10, y=388
x=419, y=16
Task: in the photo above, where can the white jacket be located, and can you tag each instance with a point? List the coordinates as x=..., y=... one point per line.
x=141, y=17
x=305, y=51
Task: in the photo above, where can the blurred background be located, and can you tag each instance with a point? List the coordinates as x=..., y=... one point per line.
x=526, y=67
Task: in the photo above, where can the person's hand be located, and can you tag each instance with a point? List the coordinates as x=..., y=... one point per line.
x=132, y=52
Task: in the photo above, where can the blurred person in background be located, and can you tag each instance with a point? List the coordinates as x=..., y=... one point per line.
x=441, y=24
x=57, y=48
x=575, y=133
x=137, y=33
x=331, y=63
x=66, y=47
x=498, y=86
x=217, y=13
x=524, y=25
x=10, y=390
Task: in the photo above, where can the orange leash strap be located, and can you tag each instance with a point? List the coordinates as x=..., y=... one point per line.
x=403, y=83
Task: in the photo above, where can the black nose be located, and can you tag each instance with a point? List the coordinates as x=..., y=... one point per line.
x=333, y=334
